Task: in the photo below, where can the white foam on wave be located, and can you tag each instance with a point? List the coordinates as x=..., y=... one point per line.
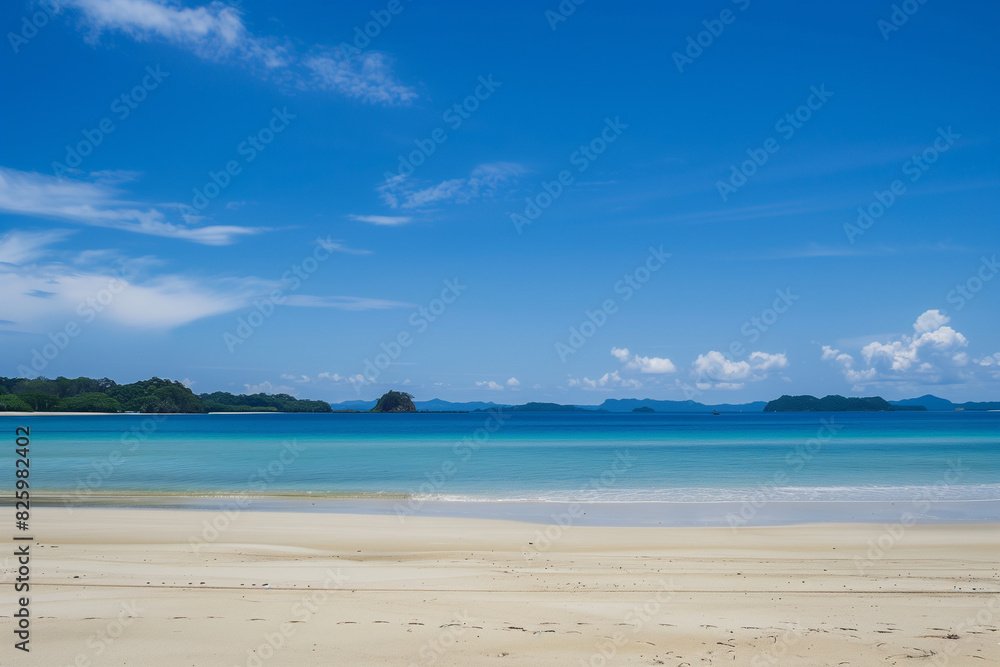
x=933, y=493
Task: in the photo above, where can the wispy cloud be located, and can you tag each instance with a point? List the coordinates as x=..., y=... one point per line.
x=484, y=181
x=45, y=288
x=213, y=31
x=335, y=245
x=383, y=220
x=217, y=32
x=364, y=76
x=23, y=247
x=167, y=301
x=99, y=204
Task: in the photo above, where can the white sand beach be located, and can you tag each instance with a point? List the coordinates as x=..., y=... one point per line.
x=158, y=587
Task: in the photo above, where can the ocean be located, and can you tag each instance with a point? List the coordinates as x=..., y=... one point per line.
x=683, y=469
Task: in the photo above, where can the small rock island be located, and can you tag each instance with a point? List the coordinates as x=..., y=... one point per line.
x=395, y=401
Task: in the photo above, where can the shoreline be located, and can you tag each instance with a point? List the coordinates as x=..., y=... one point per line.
x=667, y=514
x=585, y=411
x=40, y=413
x=297, y=588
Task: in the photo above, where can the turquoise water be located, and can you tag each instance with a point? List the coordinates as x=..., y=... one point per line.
x=534, y=457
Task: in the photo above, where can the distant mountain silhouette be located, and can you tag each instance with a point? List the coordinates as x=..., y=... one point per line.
x=630, y=404
x=928, y=401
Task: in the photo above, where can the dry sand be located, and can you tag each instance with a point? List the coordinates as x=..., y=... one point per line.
x=128, y=587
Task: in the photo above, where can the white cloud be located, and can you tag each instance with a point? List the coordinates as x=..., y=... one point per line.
x=383, y=220
x=902, y=355
x=846, y=363
x=164, y=302
x=933, y=355
x=490, y=384
x=513, y=382
x=361, y=379
x=621, y=354
x=989, y=361
x=217, y=32
x=484, y=181
x=717, y=366
x=45, y=289
x=930, y=320
x=992, y=363
x=188, y=382
x=713, y=370
x=650, y=365
x=99, y=204
x=762, y=361
x=266, y=387
x=214, y=31
x=608, y=380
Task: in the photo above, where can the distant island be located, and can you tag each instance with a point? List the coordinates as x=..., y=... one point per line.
x=155, y=395
x=545, y=407
x=609, y=405
x=650, y=405
x=832, y=403
x=837, y=403
x=394, y=401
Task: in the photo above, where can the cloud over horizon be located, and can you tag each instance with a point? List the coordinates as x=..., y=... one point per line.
x=934, y=354
x=651, y=365
x=713, y=370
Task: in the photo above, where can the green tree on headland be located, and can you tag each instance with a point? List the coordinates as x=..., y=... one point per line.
x=39, y=401
x=155, y=395
x=223, y=401
x=172, y=399
x=89, y=402
x=12, y=403
x=395, y=401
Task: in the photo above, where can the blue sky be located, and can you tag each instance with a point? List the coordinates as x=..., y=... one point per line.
x=629, y=200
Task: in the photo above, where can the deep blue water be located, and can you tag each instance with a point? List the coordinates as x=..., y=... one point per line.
x=803, y=456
